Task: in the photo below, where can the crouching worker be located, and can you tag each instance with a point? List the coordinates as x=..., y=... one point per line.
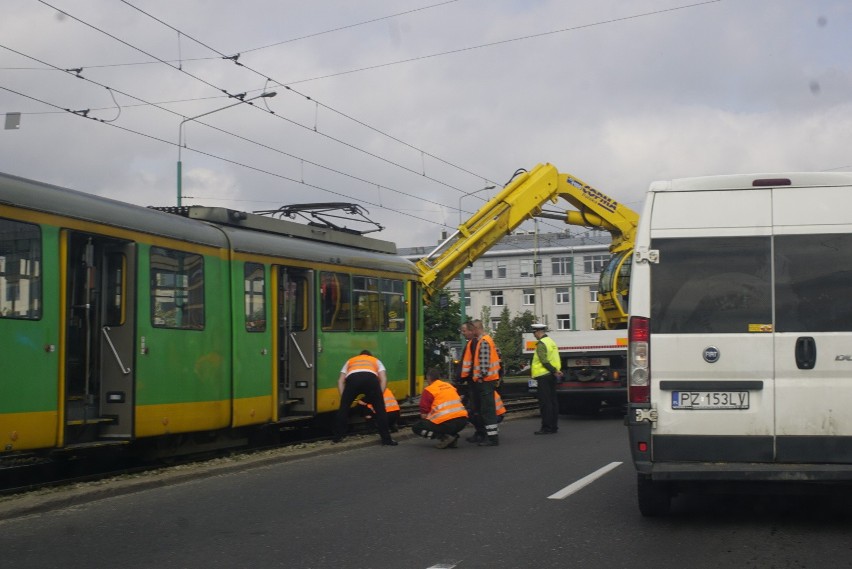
x=442, y=414
x=391, y=408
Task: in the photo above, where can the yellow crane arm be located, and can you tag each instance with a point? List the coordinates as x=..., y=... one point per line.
x=520, y=200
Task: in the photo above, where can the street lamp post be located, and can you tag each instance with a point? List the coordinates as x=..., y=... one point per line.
x=181, y=143
x=463, y=307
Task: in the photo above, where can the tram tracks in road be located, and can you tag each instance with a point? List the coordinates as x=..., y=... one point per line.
x=106, y=474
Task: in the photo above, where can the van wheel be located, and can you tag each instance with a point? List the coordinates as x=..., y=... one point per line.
x=655, y=498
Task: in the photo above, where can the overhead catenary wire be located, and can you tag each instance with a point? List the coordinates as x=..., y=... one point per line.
x=309, y=98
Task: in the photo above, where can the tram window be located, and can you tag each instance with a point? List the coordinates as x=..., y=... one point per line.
x=177, y=289
x=20, y=270
x=335, y=301
x=116, y=264
x=366, y=302
x=294, y=303
x=394, y=305
x=255, y=297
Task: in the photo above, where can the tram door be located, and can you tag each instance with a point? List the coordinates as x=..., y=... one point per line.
x=100, y=318
x=296, y=342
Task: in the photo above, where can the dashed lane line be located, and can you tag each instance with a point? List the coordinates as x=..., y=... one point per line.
x=585, y=481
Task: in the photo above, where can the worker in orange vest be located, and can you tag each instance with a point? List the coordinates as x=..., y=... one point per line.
x=442, y=414
x=499, y=407
x=362, y=374
x=391, y=408
x=486, y=376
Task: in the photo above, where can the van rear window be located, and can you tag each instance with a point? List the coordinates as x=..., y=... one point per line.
x=813, y=277
x=711, y=285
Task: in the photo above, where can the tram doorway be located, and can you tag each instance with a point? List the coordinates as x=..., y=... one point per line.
x=296, y=342
x=99, y=321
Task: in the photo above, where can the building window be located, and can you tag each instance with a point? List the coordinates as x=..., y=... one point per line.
x=593, y=317
x=488, y=269
x=593, y=293
x=529, y=296
x=561, y=265
x=594, y=264
x=466, y=302
x=501, y=269
x=495, y=323
x=563, y=321
x=563, y=295
x=466, y=273
x=526, y=267
x=497, y=298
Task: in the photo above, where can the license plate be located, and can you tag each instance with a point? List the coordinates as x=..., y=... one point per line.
x=532, y=383
x=710, y=399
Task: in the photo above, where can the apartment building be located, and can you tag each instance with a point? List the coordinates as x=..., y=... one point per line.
x=552, y=275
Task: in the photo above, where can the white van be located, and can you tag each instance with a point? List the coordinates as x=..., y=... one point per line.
x=740, y=338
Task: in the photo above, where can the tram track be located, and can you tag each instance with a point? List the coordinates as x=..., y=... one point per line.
x=52, y=476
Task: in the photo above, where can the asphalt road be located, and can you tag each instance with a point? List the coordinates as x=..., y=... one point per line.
x=566, y=500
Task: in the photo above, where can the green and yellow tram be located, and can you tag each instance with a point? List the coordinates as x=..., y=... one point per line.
x=120, y=323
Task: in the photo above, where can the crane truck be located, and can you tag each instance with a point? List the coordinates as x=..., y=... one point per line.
x=595, y=361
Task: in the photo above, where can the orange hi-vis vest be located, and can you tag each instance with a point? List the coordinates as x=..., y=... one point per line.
x=467, y=359
x=493, y=371
x=391, y=404
x=498, y=403
x=447, y=403
x=362, y=363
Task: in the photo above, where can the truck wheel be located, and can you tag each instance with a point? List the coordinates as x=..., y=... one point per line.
x=655, y=498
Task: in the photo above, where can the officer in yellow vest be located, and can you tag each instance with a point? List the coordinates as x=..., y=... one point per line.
x=442, y=414
x=545, y=370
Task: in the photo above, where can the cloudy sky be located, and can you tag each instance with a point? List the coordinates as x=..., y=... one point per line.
x=405, y=106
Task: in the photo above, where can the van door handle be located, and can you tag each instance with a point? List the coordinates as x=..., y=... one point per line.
x=806, y=352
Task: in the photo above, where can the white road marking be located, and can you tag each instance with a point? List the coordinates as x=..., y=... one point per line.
x=585, y=481
x=449, y=565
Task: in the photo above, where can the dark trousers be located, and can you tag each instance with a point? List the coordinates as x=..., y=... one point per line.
x=429, y=430
x=547, y=402
x=366, y=383
x=484, y=391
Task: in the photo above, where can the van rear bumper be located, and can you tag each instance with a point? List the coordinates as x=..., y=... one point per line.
x=743, y=471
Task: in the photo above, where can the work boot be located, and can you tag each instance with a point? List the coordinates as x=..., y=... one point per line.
x=454, y=444
x=445, y=441
x=476, y=438
x=491, y=441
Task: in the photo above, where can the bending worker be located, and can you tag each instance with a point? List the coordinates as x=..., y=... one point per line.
x=442, y=414
x=363, y=374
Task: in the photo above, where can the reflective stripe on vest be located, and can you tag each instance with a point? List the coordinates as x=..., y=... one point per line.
x=391, y=403
x=498, y=404
x=447, y=403
x=537, y=368
x=493, y=371
x=362, y=363
x=467, y=360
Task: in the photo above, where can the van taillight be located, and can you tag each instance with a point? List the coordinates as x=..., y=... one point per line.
x=639, y=355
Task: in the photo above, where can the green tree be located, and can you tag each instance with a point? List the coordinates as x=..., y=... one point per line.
x=440, y=325
x=509, y=338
